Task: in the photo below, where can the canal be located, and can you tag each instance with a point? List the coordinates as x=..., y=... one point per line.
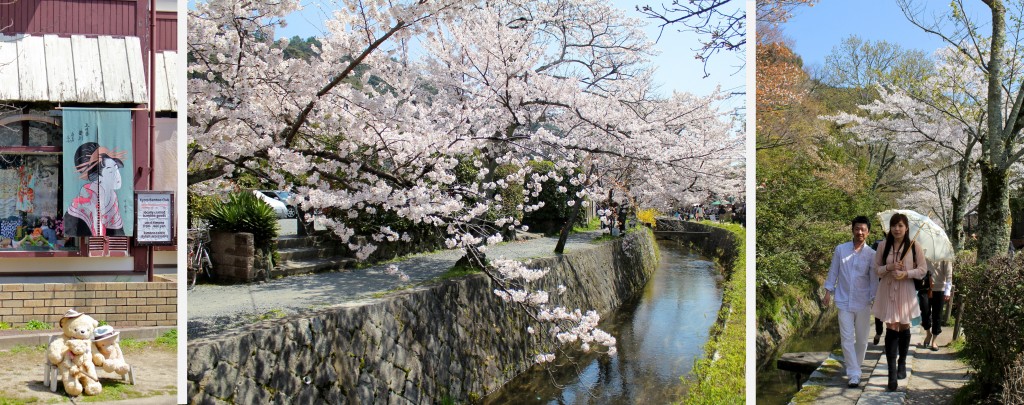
x=660, y=335
x=776, y=387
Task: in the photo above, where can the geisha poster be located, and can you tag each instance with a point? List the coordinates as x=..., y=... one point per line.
x=98, y=190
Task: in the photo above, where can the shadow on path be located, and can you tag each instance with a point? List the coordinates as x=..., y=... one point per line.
x=215, y=308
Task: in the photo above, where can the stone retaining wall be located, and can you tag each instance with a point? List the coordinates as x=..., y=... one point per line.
x=120, y=304
x=712, y=242
x=451, y=340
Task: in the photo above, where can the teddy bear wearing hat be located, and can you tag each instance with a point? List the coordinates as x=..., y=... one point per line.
x=76, y=326
x=108, y=352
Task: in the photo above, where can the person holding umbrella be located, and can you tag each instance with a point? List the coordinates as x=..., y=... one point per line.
x=896, y=300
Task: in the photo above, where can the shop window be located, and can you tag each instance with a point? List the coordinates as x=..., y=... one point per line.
x=30, y=186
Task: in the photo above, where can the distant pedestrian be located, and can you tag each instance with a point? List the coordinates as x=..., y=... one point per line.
x=932, y=300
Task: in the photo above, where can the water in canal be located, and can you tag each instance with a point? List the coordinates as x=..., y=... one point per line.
x=660, y=335
x=776, y=387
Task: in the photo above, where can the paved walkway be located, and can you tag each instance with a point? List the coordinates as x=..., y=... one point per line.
x=937, y=375
x=933, y=377
x=214, y=308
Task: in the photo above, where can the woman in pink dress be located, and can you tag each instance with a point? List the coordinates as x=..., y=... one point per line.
x=896, y=299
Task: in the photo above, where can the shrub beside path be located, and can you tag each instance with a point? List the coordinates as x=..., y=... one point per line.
x=215, y=308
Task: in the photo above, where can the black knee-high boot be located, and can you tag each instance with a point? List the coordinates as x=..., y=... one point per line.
x=904, y=341
x=891, y=352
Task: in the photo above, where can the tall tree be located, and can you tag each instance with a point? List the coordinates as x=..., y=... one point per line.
x=1001, y=146
x=376, y=133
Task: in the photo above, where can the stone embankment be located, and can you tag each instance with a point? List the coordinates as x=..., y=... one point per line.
x=454, y=339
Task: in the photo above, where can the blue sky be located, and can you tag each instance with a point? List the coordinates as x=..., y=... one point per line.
x=676, y=67
x=816, y=30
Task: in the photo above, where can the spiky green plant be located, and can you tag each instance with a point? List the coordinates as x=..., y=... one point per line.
x=244, y=212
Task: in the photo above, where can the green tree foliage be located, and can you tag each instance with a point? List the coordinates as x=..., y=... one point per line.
x=555, y=202
x=807, y=193
x=304, y=49
x=862, y=64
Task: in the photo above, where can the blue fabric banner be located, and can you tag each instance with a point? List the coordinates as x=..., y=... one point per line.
x=98, y=181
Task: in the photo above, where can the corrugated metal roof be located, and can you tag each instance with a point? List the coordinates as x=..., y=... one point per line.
x=166, y=81
x=60, y=69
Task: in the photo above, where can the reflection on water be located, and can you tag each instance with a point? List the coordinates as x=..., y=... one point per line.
x=775, y=387
x=659, y=335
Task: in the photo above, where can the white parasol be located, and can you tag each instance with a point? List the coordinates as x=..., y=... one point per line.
x=924, y=232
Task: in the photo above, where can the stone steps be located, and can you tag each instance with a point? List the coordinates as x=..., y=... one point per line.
x=308, y=254
x=293, y=267
x=295, y=241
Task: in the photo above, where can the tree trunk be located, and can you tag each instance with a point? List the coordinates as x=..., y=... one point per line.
x=993, y=213
x=564, y=236
x=955, y=228
x=577, y=207
x=994, y=209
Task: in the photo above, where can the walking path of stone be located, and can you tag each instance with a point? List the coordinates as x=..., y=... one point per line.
x=213, y=308
x=932, y=377
x=938, y=375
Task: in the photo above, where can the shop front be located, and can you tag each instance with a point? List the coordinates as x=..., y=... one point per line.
x=88, y=138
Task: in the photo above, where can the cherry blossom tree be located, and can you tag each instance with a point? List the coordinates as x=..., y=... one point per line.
x=933, y=131
x=403, y=93
x=995, y=53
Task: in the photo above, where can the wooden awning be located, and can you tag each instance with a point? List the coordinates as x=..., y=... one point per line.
x=76, y=69
x=166, y=83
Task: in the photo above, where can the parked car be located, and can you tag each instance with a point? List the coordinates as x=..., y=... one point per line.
x=280, y=208
x=284, y=197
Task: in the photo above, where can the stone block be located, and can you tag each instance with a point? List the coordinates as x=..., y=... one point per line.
x=251, y=393
x=42, y=295
x=221, y=382
x=53, y=287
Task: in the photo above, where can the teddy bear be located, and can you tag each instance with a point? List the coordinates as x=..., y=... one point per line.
x=108, y=352
x=76, y=326
x=76, y=369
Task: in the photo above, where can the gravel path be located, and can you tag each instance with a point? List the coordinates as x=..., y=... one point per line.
x=214, y=308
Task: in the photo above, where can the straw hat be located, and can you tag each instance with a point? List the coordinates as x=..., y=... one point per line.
x=71, y=314
x=104, y=333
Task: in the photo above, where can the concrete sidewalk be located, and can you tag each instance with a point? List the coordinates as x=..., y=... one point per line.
x=932, y=377
x=215, y=308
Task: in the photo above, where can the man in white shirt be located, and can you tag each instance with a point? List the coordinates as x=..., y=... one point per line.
x=853, y=284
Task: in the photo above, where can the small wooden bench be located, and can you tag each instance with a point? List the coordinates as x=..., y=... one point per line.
x=801, y=363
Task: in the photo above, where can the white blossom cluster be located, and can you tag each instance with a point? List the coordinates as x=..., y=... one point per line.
x=371, y=128
x=392, y=270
